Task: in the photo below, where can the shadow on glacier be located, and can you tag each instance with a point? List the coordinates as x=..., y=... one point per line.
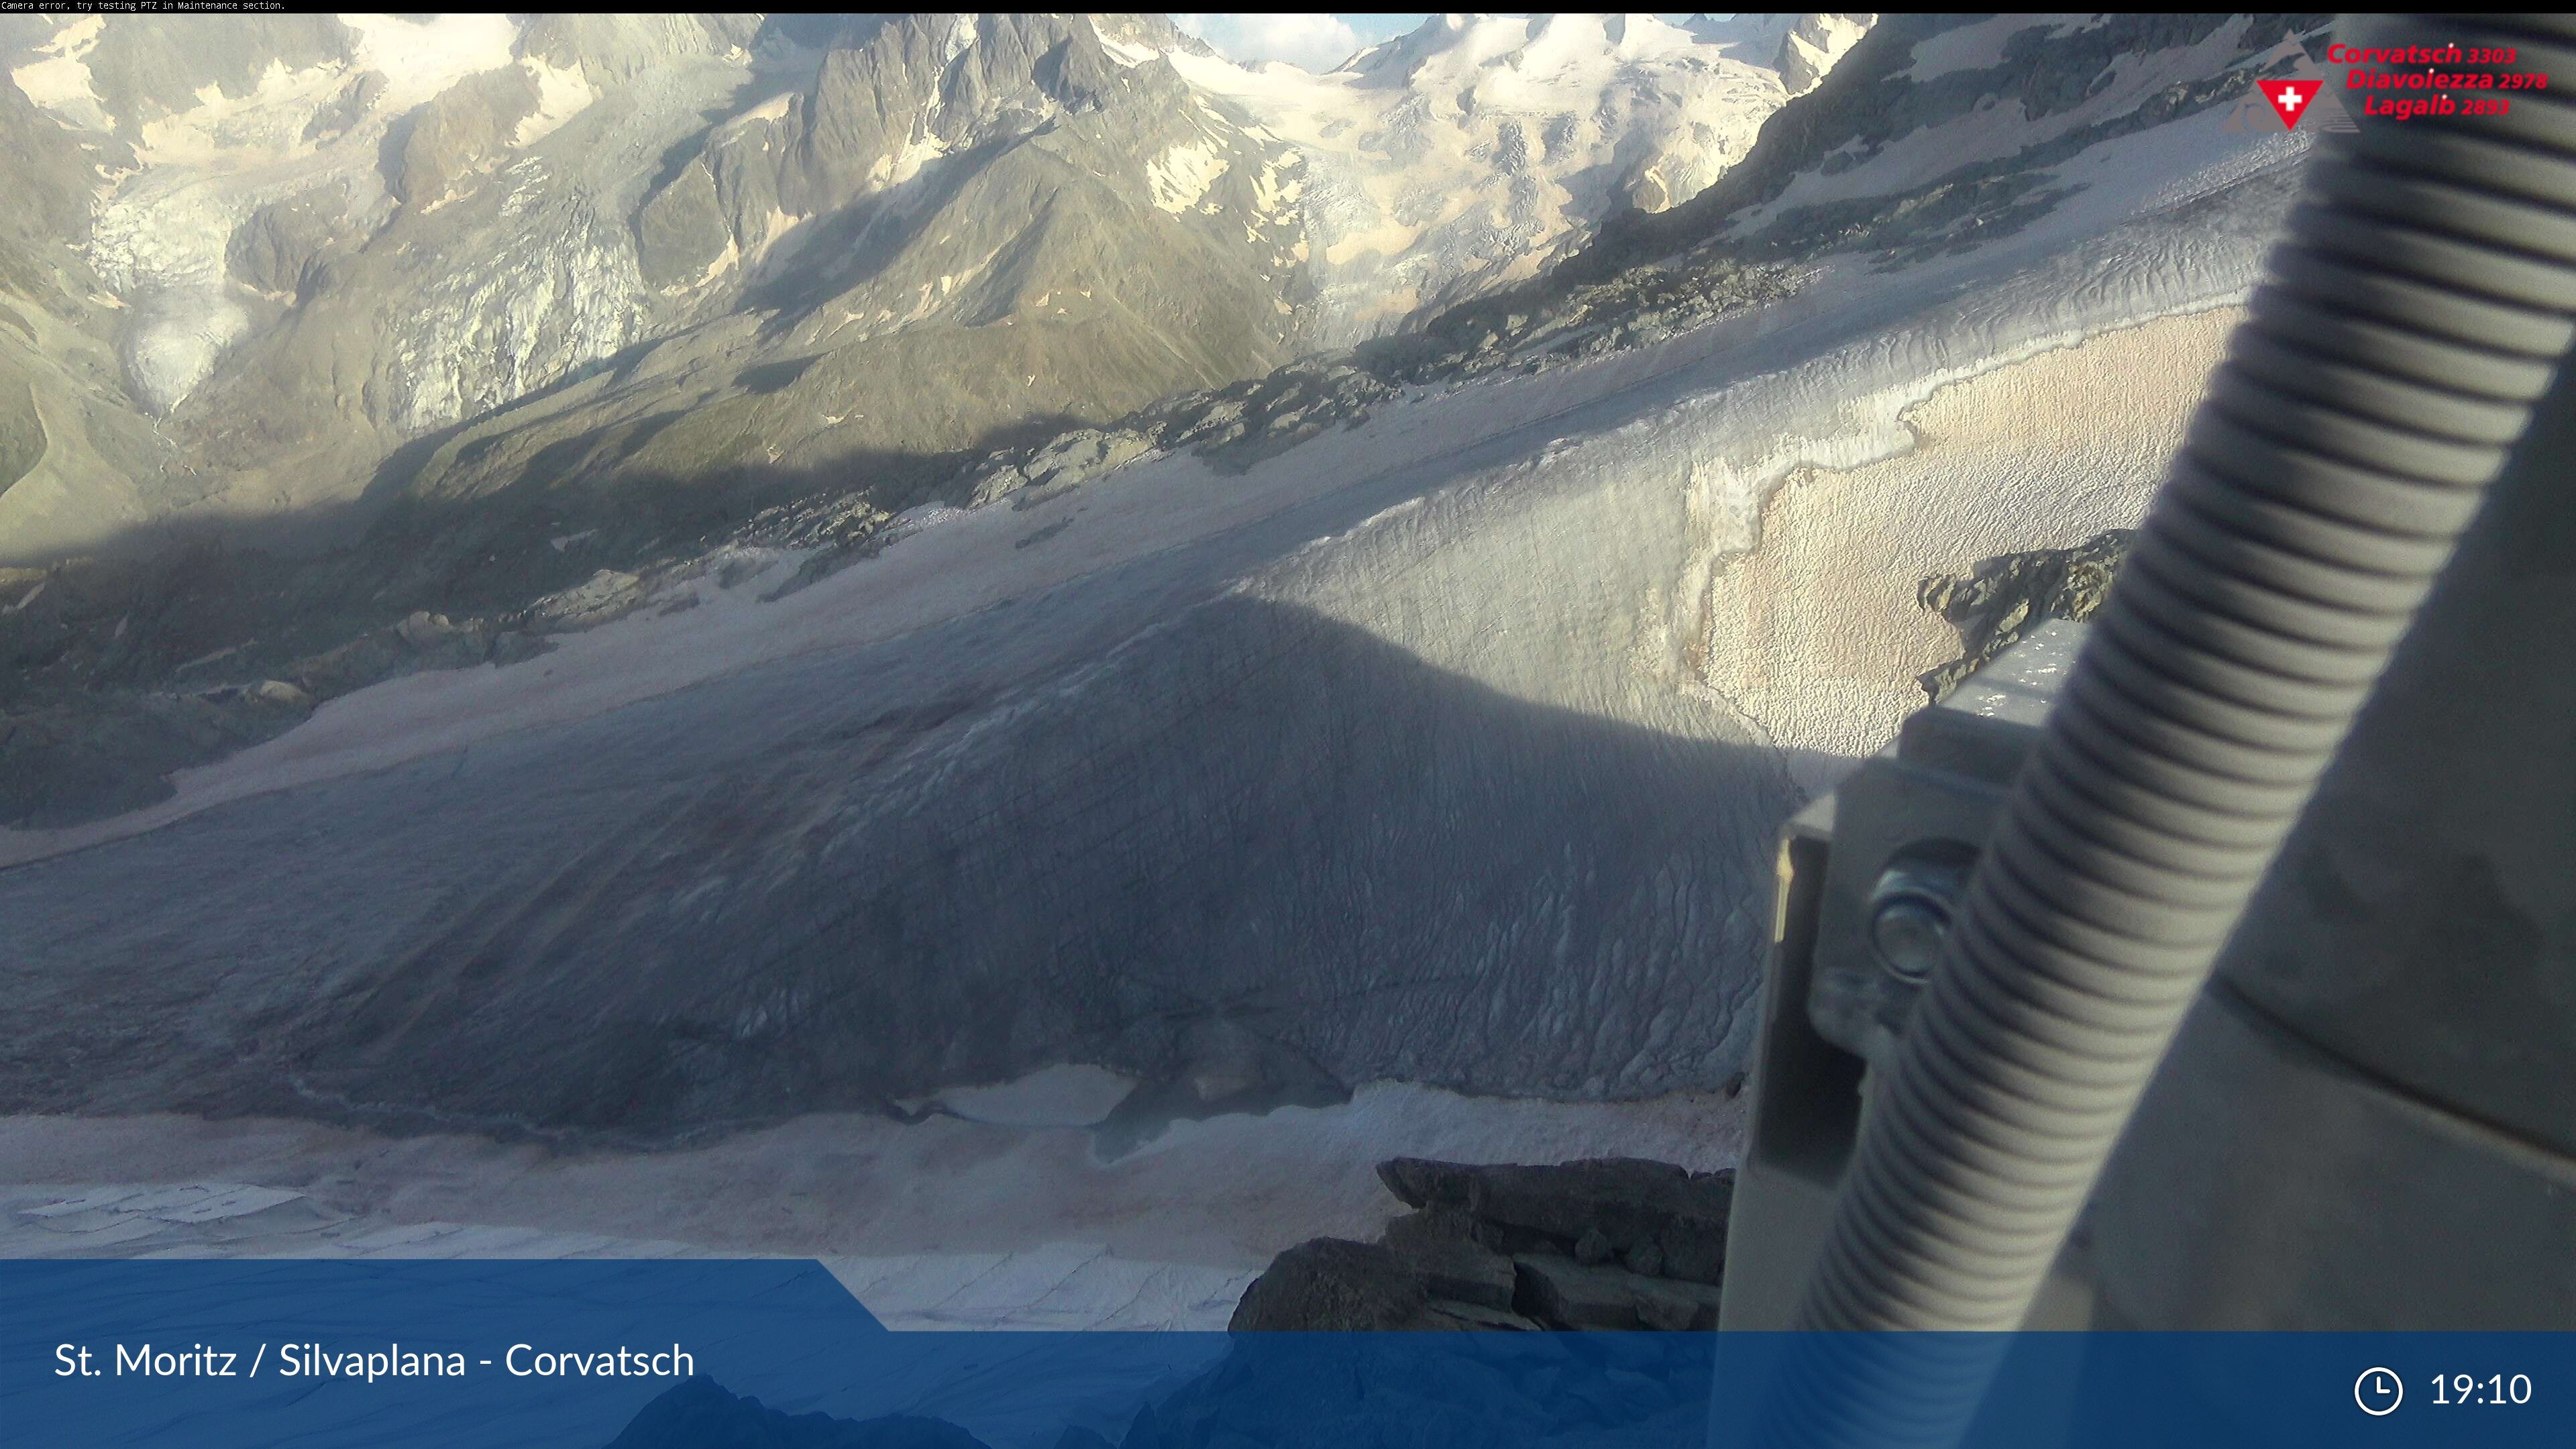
x=1254, y=856
x=124, y=665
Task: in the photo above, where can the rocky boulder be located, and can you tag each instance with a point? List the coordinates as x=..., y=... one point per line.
x=1562, y=1292
x=1335, y=1285
x=2003, y=598
x=1652, y=1216
x=1082, y=455
x=1613, y=1243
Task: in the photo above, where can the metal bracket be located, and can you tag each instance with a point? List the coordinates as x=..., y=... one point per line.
x=1867, y=877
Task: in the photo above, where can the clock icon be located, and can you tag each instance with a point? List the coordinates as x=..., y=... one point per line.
x=2378, y=1392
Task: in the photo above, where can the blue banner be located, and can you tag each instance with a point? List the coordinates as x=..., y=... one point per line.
x=777, y=1354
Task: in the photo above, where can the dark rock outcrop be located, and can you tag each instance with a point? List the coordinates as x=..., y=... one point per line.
x=2003, y=598
x=1630, y=1204
x=1335, y=1285
x=1566, y=1293
x=1611, y=1243
x=281, y=248
x=465, y=130
x=150, y=66
x=682, y=231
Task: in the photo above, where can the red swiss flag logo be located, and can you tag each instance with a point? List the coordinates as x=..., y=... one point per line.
x=2290, y=98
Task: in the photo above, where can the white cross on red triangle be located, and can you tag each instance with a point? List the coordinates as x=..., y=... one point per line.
x=2289, y=98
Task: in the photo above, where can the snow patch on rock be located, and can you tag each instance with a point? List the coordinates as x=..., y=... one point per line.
x=1183, y=174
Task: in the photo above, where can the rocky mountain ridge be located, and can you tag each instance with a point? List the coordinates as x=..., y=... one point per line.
x=599, y=495
x=1478, y=150
x=346, y=263
x=771, y=227
x=945, y=819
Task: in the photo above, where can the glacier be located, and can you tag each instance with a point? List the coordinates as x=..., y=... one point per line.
x=1417, y=715
x=1050, y=916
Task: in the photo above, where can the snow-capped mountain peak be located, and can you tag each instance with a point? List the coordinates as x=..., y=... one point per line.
x=1475, y=150
x=359, y=230
x=1801, y=48
x=1449, y=49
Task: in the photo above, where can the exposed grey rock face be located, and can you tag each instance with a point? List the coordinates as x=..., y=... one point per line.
x=951, y=234
x=1616, y=1243
x=1459, y=1270
x=1241, y=424
x=1813, y=43
x=1336, y=1286
x=1537, y=327
x=1633, y=1207
x=594, y=262
x=1570, y=1293
x=346, y=110
x=620, y=49
x=682, y=232
x=1799, y=48
x=842, y=240
x=2001, y=599
x=281, y=248
x=69, y=431
x=67, y=759
x=153, y=66
x=69, y=754
x=465, y=130
x=22, y=431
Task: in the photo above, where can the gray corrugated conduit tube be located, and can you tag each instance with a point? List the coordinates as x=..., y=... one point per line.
x=2417, y=308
